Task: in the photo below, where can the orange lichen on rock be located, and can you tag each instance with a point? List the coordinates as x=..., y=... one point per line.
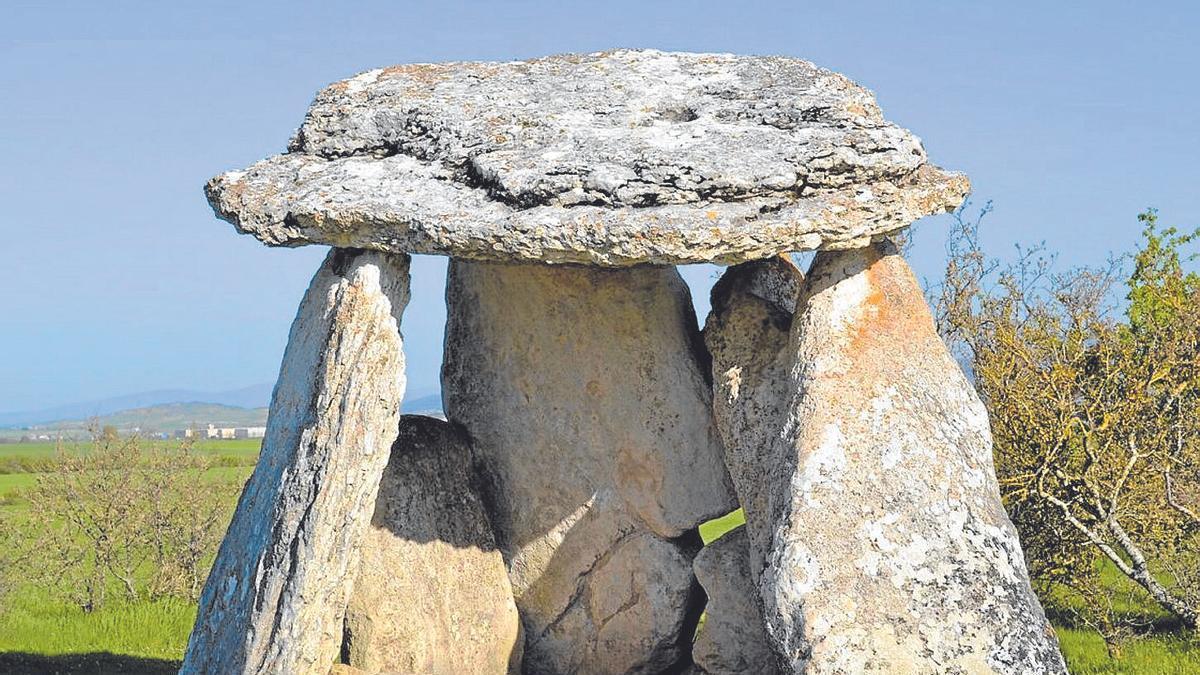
x=894, y=313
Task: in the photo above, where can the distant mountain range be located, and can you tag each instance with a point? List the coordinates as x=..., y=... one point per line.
x=254, y=396
x=422, y=404
x=165, y=418
x=169, y=409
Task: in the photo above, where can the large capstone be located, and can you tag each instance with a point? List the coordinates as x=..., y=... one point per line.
x=892, y=552
x=432, y=594
x=614, y=158
x=585, y=396
x=275, y=597
x=732, y=640
x=747, y=335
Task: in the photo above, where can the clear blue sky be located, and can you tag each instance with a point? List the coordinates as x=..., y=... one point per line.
x=1073, y=117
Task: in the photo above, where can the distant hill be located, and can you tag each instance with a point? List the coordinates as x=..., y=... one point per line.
x=171, y=409
x=431, y=403
x=167, y=417
x=254, y=396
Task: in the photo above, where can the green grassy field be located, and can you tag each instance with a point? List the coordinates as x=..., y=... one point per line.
x=247, y=447
x=34, y=622
x=10, y=482
x=40, y=634
x=31, y=458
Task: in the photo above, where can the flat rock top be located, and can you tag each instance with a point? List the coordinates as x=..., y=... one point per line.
x=613, y=158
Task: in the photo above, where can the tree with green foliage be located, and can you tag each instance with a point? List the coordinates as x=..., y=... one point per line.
x=1094, y=412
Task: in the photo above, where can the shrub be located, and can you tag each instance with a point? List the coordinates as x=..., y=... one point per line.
x=123, y=518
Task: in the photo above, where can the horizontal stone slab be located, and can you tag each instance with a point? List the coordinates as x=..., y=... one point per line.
x=614, y=158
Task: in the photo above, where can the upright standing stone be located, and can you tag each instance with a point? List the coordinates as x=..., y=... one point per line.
x=747, y=335
x=893, y=553
x=432, y=594
x=732, y=640
x=275, y=598
x=584, y=393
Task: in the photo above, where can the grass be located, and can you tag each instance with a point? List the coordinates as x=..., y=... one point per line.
x=42, y=633
x=33, y=622
x=713, y=529
x=11, y=482
x=1157, y=654
x=40, y=458
x=47, y=449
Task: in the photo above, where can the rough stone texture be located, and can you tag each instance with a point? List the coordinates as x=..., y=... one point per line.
x=432, y=593
x=747, y=336
x=613, y=158
x=274, y=600
x=732, y=641
x=585, y=397
x=893, y=554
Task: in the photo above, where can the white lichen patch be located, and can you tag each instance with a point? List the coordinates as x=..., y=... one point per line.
x=824, y=468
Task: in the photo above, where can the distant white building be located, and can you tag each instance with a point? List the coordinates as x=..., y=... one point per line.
x=213, y=432
x=199, y=433
x=249, y=432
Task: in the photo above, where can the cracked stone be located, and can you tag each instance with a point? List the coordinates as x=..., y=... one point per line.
x=732, y=640
x=747, y=334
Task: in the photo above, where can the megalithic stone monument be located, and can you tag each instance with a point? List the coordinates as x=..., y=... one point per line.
x=590, y=427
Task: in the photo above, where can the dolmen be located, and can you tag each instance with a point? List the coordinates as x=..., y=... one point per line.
x=550, y=524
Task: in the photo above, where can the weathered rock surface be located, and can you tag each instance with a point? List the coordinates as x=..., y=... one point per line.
x=432, y=593
x=732, y=640
x=586, y=401
x=613, y=158
x=747, y=334
x=275, y=597
x=893, y=553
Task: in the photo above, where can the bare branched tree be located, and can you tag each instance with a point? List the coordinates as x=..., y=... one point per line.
x=119, y=517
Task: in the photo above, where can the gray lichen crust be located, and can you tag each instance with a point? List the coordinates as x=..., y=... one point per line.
x=614, y=158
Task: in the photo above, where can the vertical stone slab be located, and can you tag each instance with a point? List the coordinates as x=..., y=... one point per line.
x=275, y=598
x=732, y=640
x=585, y=396
x=893, y=553
x=747, y=334
x=432, y=594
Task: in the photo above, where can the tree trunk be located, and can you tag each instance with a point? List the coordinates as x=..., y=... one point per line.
x=1138, y=570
